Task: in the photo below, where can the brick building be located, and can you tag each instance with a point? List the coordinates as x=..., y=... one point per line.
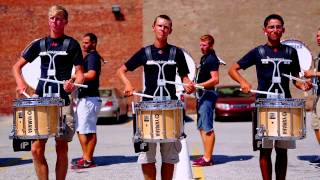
x=118, y=36
x=236, y=26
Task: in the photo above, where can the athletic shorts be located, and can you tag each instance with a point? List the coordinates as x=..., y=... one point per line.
x=169, y=153
x=315, y=121
x=86, y=114
x=70, y=124
x=283, y=144
x=206, y=113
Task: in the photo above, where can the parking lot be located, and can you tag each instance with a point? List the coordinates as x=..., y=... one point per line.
x=233, y=155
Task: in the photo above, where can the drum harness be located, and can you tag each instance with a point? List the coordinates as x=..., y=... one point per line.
x=315, y=80
x=139, y=144
x=161, y=82
x=276, y=79
x=51, y=73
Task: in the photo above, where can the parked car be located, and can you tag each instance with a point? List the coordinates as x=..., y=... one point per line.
x=114, y=104
x=234, y=105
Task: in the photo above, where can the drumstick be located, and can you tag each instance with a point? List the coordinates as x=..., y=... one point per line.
x=297, y=79
x=263, y=92
x=183, y=84
x=142, y=95
x=26, y=94
x=61, y=82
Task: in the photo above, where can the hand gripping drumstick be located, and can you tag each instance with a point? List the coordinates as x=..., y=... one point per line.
x=61, y=82
x=26, y=94
x=263, y=92
x=183, y=84
x=298, y=79
x=142, y=95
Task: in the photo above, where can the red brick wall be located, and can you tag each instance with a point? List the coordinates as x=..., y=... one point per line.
x=23, y=21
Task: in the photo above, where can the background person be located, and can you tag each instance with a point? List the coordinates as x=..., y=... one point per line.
x=273, y=30
x=57, y=19
x=160, y=51
x=208, y=77
x=315, y=124
x=89, y=101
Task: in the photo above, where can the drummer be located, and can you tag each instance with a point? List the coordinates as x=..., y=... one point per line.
x=273, y=30
x=159, y=51
x=57, y=19
x=316, y=119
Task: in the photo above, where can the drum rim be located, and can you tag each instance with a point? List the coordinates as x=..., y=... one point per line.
x=38, y=101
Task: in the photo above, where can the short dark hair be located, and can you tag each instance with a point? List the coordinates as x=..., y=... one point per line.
x=93, y=37
x=207, y=37
x=163, y=16
x=273, y=16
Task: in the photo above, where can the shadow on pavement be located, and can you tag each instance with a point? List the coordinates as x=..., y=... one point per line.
x=108, y=160
x=313, y=159
x=113, y=121
x=6, y=162
x=221, y=159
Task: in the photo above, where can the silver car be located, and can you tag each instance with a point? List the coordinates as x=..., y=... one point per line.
x=114, y=104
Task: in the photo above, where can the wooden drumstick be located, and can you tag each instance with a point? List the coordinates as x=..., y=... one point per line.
x=142, y=95
x=61, y=82
x=183, y=84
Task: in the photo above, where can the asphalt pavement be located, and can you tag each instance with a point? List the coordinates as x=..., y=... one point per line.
x=116, y=160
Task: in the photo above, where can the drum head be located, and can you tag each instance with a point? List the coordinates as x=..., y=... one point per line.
x=304, y=53
x=192, y=71
x=31, y=72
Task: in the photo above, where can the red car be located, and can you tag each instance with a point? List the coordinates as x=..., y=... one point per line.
x=234, y=105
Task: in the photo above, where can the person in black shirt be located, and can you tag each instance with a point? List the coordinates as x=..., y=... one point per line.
x=273, y=29
x=315, y=124
x=160, y=51
x=208, y=77
x=89, y=102
x=58, y=19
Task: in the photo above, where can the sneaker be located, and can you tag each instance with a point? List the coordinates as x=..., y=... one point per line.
x=82, y=163
x=202, y=162
x=197, y=160
x=79, y=161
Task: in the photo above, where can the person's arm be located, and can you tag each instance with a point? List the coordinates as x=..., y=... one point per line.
x=128, y=88
x=17, y=73
x=189, y=88
x=235, y=75
x=68, y=85
x=212, y=82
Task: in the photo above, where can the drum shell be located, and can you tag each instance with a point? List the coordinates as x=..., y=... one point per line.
x=36, y=118
x=281, y=119
x=159, y=121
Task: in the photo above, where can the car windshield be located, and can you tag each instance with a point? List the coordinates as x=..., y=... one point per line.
x=105, y=92
x=231, y=92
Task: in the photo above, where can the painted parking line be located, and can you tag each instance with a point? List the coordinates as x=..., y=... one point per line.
x=197, y=171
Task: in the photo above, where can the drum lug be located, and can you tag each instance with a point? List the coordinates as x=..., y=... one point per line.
x=260, y=132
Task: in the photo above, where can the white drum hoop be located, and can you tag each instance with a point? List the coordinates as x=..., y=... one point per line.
x=39, y=101
x=32, y=71
x=279, y=103
x=304, y=53
x=159, y=105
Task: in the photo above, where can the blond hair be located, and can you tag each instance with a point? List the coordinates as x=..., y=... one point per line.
x=58, y=10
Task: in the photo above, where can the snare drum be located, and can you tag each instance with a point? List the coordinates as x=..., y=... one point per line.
x=37, y=118
x=281, y=119
x=159, y=121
